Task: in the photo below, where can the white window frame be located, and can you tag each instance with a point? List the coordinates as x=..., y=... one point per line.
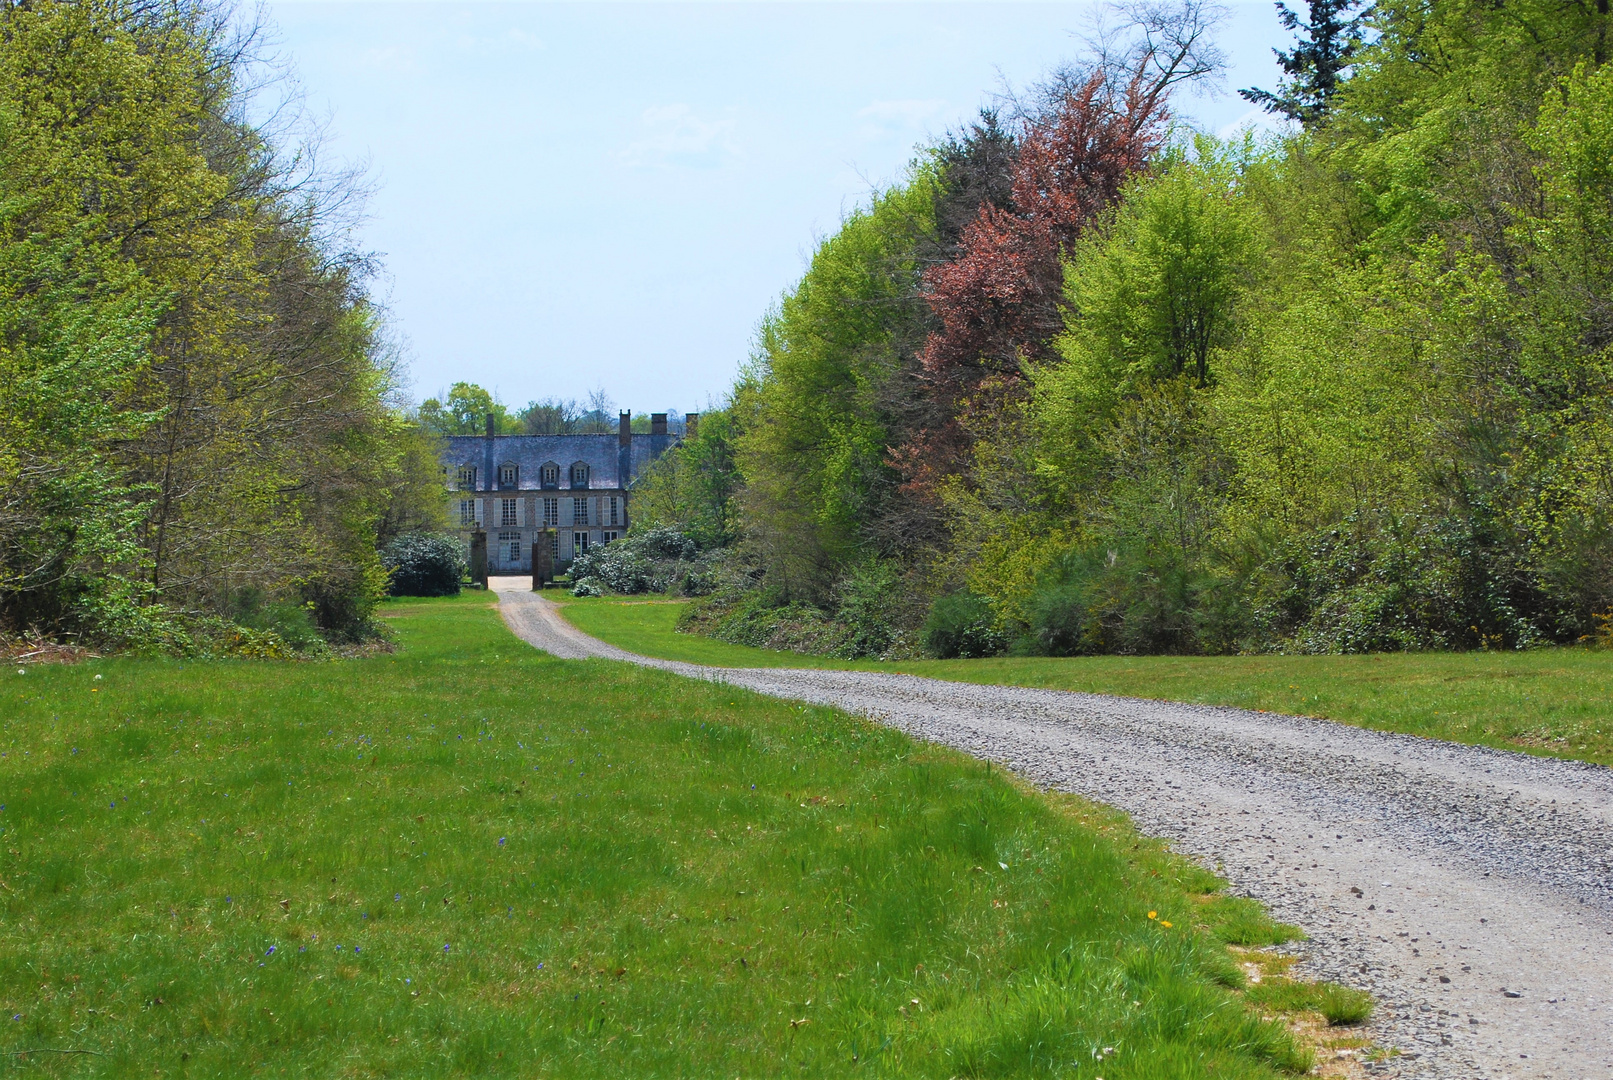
x=551, y=511
x=614, y=502
x=579, y=505
x=508, y=515
x=513, y=472
x=608, y=536
x=579, y=544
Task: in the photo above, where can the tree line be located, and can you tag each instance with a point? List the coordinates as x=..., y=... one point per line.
x=200, y=425
x=466, y=408
x=1088, y=381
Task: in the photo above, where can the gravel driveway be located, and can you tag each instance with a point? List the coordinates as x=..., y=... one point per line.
x=1470, y=890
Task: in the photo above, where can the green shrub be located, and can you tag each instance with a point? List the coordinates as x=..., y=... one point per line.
x=656, y=560
x=961, y=625
x=1101, y=599
x=760, y=621
x=270, y=624
x=1061, y=624
x=424, y=564
x=866, y=600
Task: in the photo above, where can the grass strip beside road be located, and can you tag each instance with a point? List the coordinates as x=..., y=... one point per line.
x=1556, y=702
x=467, y=858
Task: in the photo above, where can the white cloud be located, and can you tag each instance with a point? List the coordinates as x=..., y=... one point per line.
x=907, y=116
x=675, y=137
x=1260, y=122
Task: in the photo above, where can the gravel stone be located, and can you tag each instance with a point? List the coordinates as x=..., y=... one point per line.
x=1469, y=890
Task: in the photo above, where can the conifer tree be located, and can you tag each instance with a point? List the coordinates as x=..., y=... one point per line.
x=1316, y=67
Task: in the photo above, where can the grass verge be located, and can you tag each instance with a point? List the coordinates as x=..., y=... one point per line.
x=1555, y=702
x=466, y=858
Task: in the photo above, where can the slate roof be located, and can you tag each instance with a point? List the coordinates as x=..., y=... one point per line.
x=610, y=465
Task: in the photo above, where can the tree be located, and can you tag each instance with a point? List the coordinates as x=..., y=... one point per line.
x=1317, y=65
x=465, y=412
x=1152, y=292
x=693, y=486
x=551, y=416
x=998, y=301
x=814, y=432
x=974, y=170
x=177, y=311
x=600, y=417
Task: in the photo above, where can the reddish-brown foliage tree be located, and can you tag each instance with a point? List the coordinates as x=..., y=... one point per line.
x=999, y=301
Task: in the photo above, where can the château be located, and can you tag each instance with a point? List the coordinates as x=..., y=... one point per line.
x=511, y=494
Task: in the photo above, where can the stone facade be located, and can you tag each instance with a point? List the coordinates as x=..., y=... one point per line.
x=571, y=491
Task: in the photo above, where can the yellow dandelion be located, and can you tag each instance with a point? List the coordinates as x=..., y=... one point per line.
x=1164, y=922
x=1153, y=914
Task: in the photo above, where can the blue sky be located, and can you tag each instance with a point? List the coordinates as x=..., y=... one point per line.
x=576, y=196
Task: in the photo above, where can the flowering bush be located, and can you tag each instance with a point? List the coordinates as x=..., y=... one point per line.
x=656, y=560
x=424, y=564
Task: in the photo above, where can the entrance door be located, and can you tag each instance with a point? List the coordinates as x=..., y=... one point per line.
x=509, y=552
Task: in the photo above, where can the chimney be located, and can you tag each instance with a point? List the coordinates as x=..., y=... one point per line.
x=658, y=423
x=487, y=457
x=691, y=425
x=624, y=429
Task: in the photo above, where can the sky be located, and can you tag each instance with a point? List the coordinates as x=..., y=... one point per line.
x=574, y=197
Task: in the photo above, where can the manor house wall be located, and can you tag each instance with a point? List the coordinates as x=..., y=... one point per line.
x=514, y=487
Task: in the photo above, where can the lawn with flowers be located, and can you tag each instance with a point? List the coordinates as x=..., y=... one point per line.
x=1556, y=702
x=469, y=859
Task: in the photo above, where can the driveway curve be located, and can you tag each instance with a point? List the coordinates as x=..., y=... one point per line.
x=1469, y=890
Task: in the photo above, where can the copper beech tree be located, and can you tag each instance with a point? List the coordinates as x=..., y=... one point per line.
x=998, y=302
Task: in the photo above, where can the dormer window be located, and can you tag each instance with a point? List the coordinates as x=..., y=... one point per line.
x=550, y=475
x=466, y=479
x=507, y=475
x=579, y=475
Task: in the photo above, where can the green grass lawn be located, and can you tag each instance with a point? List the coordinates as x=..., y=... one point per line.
x=1546, y=701
x=469, y=859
